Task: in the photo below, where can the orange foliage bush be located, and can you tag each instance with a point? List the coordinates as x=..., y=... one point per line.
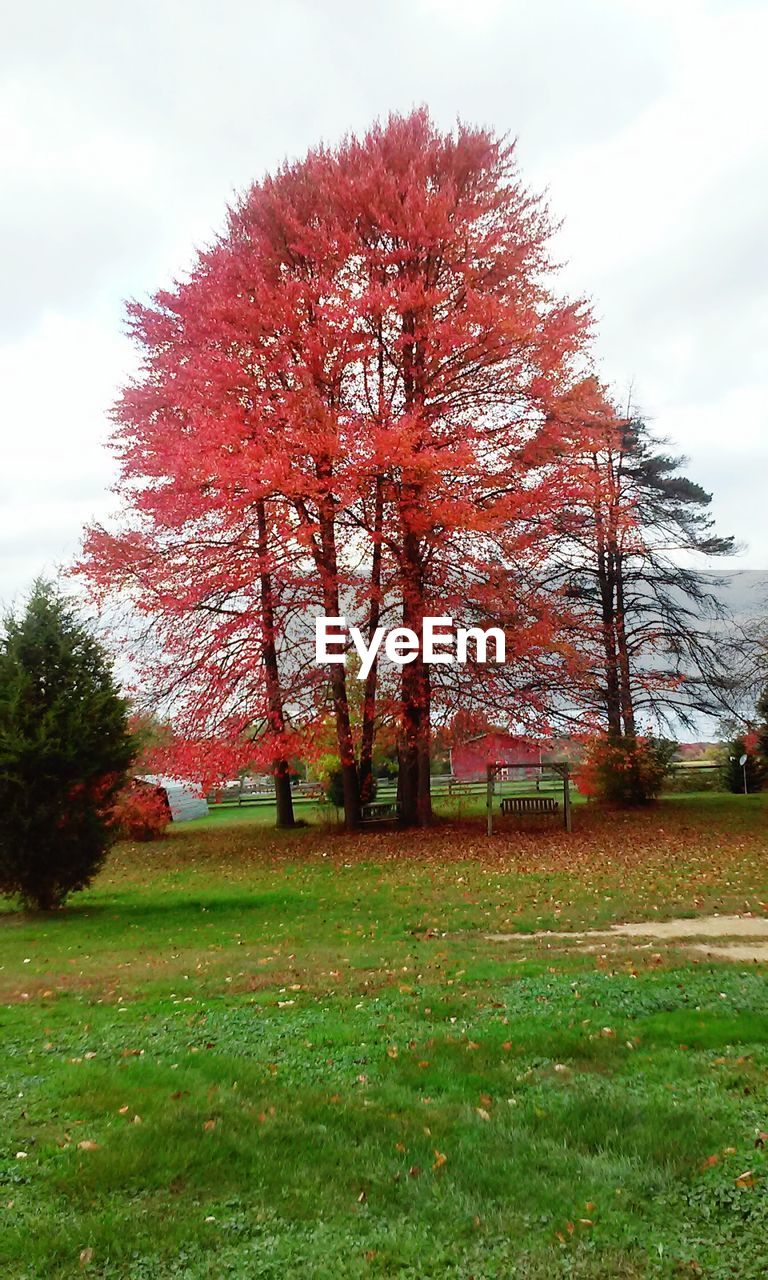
x=141, y=811
x=627, y=771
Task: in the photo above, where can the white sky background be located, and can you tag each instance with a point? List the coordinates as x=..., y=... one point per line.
x=125, y=129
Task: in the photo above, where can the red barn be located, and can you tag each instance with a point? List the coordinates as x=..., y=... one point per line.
x=469, y=760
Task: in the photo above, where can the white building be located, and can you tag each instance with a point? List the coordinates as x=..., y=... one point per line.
x=185, y=799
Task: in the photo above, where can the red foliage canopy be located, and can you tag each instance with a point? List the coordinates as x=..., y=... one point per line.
x=360, y=401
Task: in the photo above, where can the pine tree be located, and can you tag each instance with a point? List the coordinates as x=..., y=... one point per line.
x=762, y=725
x=752, y=772
x=660, y=658
x=64, y=751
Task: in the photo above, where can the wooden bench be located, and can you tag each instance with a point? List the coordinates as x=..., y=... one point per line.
x=381, y=811
x=529, y=804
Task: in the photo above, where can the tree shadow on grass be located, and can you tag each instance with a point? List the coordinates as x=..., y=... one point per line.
x=161, y=908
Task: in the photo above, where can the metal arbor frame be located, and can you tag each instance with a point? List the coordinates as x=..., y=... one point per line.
x=560, y=767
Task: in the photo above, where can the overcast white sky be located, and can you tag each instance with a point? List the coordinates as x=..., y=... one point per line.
x=124, y=129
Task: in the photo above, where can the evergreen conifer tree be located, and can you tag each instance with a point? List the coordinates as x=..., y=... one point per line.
x=64, y=751
x=735, y=774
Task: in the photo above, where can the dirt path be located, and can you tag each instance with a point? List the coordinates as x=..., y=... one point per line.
x=731, y=933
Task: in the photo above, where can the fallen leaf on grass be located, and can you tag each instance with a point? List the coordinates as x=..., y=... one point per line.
x=746, y=1179
x=208, y=1125
x=86, y=1256
x=88, y=1145
x=440, y=1160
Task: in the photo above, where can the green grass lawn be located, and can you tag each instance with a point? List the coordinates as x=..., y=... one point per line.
x=245, y=1053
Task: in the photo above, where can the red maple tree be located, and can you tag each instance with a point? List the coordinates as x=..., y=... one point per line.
x=353, y=405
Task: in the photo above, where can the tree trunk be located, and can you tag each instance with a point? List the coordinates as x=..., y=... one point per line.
x=283, y=793
x=605, y=545
x=349, y=775
x=625, y=674
x=424, y=759
x=608, y=618
x=275, y=712
x=414, y=753
x=331, y=603
x=368, y=732
x=414, y=750
x=413, y=780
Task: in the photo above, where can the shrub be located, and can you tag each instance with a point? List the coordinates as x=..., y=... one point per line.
x=625, y=771
x=328, y=770
x=140, y=812
x=334, y=788
x=64, y=752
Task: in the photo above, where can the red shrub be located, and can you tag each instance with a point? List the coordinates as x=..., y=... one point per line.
x=141, y=811
x=625, y=771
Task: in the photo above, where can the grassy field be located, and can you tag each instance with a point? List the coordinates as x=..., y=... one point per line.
x=252, y=1054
